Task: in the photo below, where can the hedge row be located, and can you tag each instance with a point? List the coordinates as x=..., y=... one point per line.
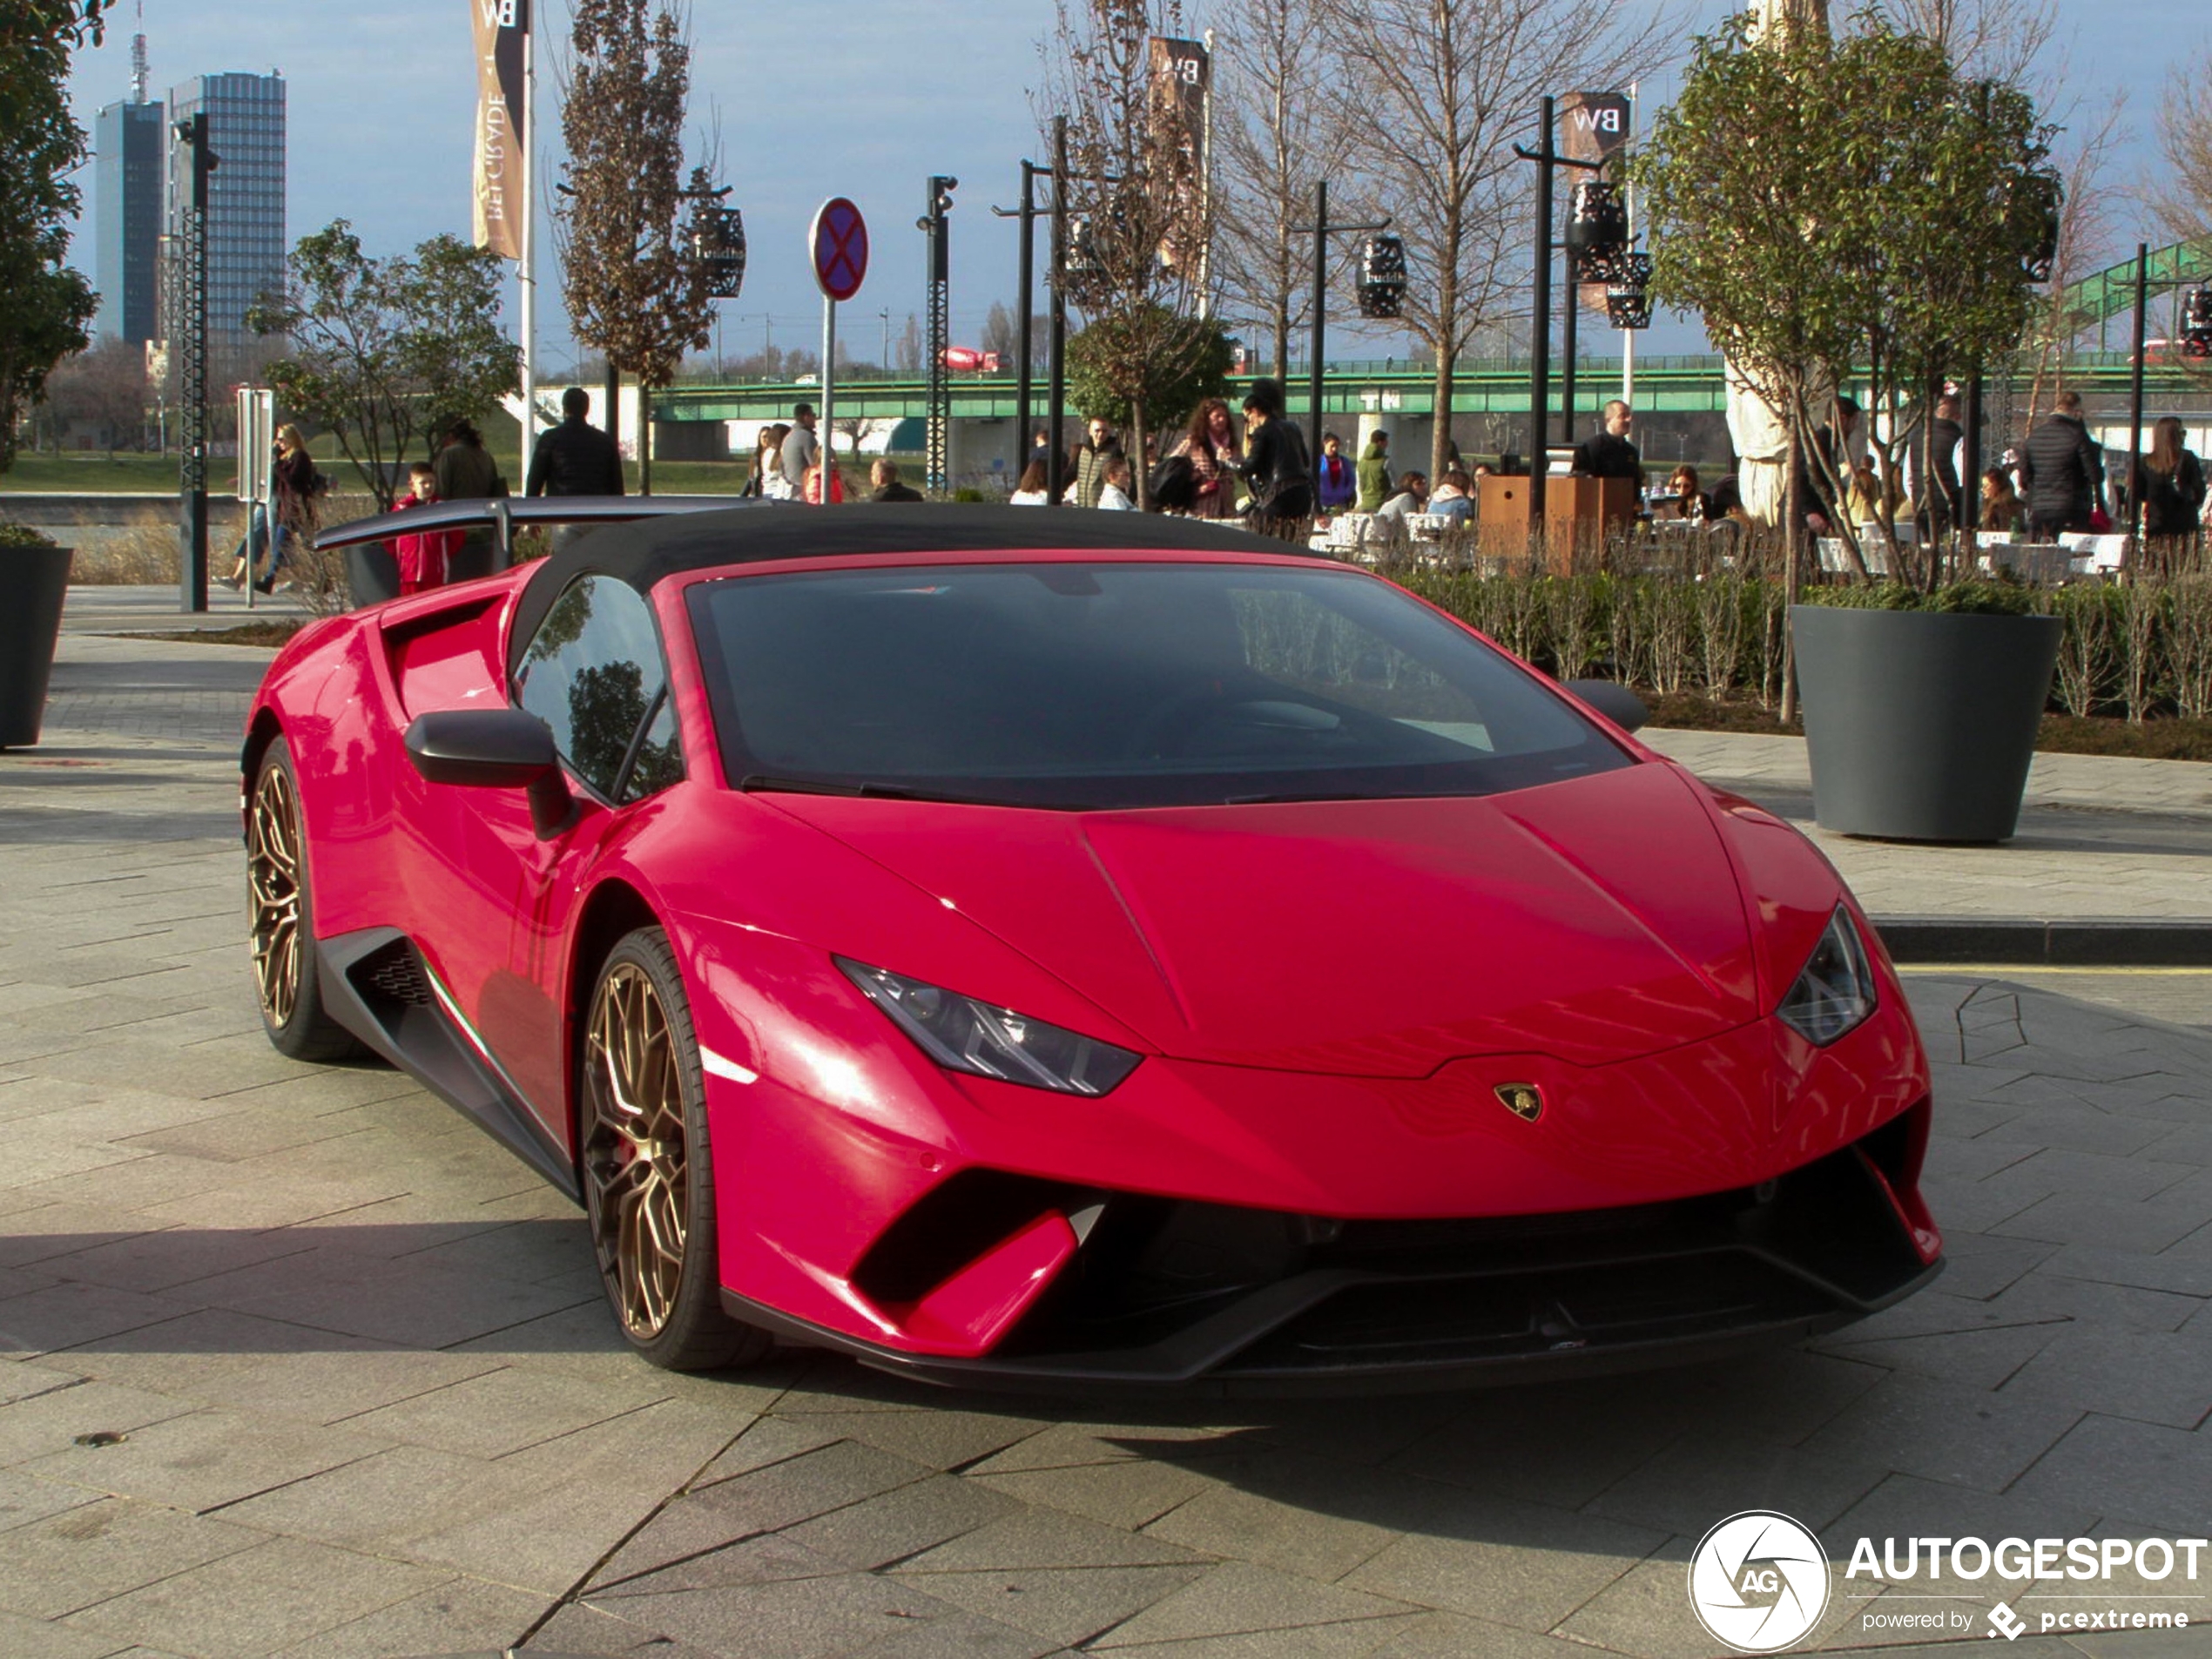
x=2138, y=651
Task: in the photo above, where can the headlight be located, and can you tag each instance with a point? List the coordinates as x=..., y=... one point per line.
x=966, y=1035
x=1836, y=990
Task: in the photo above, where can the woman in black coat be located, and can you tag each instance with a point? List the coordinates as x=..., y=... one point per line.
x=1275, y=467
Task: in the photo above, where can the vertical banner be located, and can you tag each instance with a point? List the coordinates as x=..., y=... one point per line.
x=502, y=27
x=1182, y=82
x=1596, y=125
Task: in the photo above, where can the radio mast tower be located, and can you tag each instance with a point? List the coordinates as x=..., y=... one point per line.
x=139, y=58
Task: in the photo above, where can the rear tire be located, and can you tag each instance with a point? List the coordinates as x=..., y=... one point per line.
x=288, y=974
x=648, y=1166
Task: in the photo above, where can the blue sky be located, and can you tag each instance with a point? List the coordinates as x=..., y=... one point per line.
x=865, y=99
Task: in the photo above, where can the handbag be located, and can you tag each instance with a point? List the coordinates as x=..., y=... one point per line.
x=1173, y=486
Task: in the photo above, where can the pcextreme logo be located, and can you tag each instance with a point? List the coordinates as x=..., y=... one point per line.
x=1758, y=1581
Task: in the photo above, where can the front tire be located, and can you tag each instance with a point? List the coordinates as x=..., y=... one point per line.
x=287, y=975
x=649, y=1167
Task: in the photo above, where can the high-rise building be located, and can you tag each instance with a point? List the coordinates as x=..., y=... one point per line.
x=127, y=143
x=246, y=243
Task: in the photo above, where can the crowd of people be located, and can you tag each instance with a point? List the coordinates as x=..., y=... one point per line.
x=1252, y=464
x=2055, y=483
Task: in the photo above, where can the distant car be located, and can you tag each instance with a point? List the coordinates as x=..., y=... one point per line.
x=1081, y=950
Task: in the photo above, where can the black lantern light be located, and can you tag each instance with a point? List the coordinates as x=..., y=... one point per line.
x=1628, y=295
x=717, y=244
x=1382, y=277
x=2196, y=322
x=1082, y=263
x=2042, y=194
x=1597, y=233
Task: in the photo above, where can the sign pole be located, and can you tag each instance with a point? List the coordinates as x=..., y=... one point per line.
x=1629, y=335
x=829, y=393
x=839, y=241
x=526, y=267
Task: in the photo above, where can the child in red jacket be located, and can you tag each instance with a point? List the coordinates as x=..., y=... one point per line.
x=423, y=557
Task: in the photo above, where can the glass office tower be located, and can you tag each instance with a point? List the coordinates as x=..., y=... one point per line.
x=128, y=143
x=245, y=245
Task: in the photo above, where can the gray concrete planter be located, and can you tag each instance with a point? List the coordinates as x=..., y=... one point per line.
x=1919, y=725
x=33, y=582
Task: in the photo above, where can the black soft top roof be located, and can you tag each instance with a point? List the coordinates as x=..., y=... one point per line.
x=643, y=551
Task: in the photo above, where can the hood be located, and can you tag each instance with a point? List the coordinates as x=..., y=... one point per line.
x=1594, y=919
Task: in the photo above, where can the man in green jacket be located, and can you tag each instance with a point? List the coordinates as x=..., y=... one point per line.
x=1374, y=472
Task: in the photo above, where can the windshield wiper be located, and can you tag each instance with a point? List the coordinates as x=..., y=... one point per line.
x=1294, y=799
x=761, y=782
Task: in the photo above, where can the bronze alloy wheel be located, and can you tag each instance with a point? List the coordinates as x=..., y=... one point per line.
x=273, y=867
x=648, y=1164
x=637, y=1157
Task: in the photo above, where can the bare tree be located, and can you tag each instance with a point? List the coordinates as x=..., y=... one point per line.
x=1447, y=89
x=625, y=215
x=2083, y=156
x=2184, y=195
x=908, y=348
x=1282, y=123
x=103, y=387
x=1134, y=183
x=1996, y=40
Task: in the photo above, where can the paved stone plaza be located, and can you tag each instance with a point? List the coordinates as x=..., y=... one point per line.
x=299, y=1363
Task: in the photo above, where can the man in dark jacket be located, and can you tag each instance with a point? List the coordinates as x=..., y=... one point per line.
x=2062, y=474
x=1608, y=453
x=885, y=476
x=574, y=458
x=1938, y=477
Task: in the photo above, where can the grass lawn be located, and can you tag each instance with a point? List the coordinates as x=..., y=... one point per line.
x=96, y=473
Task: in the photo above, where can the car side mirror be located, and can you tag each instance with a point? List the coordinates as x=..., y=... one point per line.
x=1613, y=700
x=493, y=749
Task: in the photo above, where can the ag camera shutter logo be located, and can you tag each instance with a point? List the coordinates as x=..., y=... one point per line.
x=1758, y=1581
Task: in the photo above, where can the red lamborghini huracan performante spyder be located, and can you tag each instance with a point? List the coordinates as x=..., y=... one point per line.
x=1070, y=949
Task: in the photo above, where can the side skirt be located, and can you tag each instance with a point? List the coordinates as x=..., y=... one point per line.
x=376, y=985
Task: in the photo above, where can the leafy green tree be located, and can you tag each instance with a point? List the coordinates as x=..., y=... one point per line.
x=1848, y=203
x=1147, y=361
x=387, y=351
x=47, y=305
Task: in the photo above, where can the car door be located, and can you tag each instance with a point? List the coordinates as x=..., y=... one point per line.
x=595, y=674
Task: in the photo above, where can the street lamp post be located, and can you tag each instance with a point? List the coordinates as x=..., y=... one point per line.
x=1321, y=230
x=191, y=566
x=934, y=223
x=1024, y=366
x=1057, y=395
x=2197, y=330
x=1539, y=342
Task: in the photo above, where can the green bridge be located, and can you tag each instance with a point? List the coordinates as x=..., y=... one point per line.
x=1385, y=386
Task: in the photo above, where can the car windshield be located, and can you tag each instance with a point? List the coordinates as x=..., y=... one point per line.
x=1118, y=684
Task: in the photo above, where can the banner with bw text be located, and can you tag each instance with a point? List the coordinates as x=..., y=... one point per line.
x=502, y=27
